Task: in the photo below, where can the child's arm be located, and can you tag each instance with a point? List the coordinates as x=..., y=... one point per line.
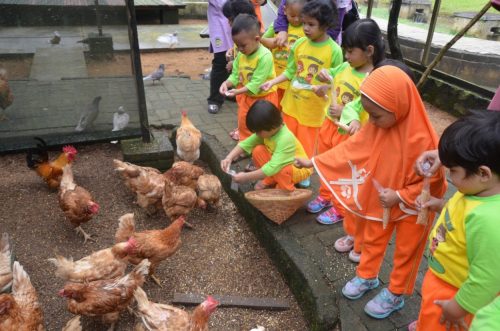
x=351, y=115
x=289, y=72
x=270, y=83
x=434, y=204
x=226, y=163
x=268, y=39
x=281, y=25
x=232, y=80
x=261, y=72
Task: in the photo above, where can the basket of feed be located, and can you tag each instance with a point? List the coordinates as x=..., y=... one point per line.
x=278, y=205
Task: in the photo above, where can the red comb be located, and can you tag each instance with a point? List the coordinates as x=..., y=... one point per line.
x=69, y=149
x=210, y=299
x=184, y=113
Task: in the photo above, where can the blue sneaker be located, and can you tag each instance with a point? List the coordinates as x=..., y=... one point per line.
x=329, y=217
x=317, y=205
x=384, y=304
x=357, y=287
x=305, y=183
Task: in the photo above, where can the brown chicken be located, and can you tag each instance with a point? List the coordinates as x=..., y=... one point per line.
x=50, y=171
x=73, y=324
x=147, y=183
x=154, y=245
x=161, y=317
x=104, y=298
x=209, y=191
x=6, y=261
x=104, y=264
x=6, y=96
x=188, y=140
x=178, y=200
x=184, y=173
x=20, y=311
x=76, y=202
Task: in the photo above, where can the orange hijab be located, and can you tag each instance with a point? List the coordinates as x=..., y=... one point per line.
x=388, y=155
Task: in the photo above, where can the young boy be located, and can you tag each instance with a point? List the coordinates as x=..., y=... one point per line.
x=273, y=148
x=463, y=256
x=251, y=68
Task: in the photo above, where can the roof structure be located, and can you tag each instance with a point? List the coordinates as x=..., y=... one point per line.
x=87, y=3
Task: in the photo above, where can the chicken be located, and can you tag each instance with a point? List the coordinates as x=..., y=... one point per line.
x=162, y=317
x=20, y=311
x=51, y=171
x=104, y=298
x=184, y=173
x=104, y=264
x=76, y=202
x=147, y=183
x=178, y=200
x=88, y=115
x=154, y=245
x=73, y=324
x=6, y=96
x=6, y=261
x=188, y=140
x=209, y=191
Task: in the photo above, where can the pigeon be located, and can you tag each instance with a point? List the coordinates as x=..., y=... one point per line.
x=120, y=119
x=56, y=39
x=259, y=328
x=88, y=115
x=170, y=39
x=157, y=74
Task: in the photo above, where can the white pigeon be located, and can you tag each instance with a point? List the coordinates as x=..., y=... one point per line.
x=88, y=115
x=170, y=39
x=120, y=119
x=259, y=328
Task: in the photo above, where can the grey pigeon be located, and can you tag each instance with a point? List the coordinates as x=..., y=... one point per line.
x=120, y=119
x=56, y=39
x=88, y=115
x=156, y=75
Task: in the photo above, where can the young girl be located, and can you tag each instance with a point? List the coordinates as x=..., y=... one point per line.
x=384, y=152
x=293, y=8
x=304, y=111
x=364, y=48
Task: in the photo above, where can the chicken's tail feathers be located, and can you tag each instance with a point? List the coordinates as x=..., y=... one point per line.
x=73, y=324
x=37, y=155
x=21, y=280
x=64, y=266
x=67, y=180
x=141, y=270
x=141, y=298
x=126, y=227
x=128, y=169
x=6, y=260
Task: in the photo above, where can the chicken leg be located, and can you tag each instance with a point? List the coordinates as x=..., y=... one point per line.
x=86, y=236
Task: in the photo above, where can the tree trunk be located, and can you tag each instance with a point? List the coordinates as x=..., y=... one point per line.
x=392, y=31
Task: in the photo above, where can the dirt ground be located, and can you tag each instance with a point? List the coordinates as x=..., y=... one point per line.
x=221, y=256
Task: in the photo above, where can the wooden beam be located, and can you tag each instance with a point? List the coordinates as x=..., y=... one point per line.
x=193, y=299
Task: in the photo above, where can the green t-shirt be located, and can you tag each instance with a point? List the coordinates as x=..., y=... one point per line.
x=487, y=318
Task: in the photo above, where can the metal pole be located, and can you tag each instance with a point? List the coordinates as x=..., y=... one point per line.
x=430, y=34
x=98, y=17
x=369, y=10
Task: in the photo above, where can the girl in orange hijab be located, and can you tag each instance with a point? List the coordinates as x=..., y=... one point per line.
x=373, y=171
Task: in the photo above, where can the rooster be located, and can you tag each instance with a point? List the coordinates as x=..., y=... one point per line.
x=157, y=316
x=104, y=264
x=188, y=140
x=50, y=171
x=209, y=190
x=105, y=298
x=154, y=245
x=184, y=173
x=76, y=202
x=6, y=261
x=20, y=311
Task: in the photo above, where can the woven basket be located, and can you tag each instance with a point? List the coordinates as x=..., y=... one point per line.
x=278, y=205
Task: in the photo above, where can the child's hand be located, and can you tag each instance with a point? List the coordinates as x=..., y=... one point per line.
x=354, y=127
x=229, y=66
x=321, y=90
x=433, y=204
x=430, y=157
x=324, y=76
x=225, y=164
x=223, y=88
x=301, y=162
x=231, y=93
x=335, y=110
x=266, y=86
x=240, y=177
x=230, y=54
x=388, y=198
x=281, y=38
x=453, y=315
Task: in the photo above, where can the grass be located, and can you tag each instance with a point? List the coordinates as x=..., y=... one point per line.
x=448, y=7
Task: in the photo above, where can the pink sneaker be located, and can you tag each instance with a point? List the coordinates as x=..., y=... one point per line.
x=354, y=257
x=329, y=217
x=317, y=205
x=344, y=244
x=412, y=326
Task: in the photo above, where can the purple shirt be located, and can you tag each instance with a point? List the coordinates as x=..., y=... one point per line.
x=218, y=27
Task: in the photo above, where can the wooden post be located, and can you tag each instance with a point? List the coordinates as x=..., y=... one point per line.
x=369, y=10
x=392, y=30
x=430, y=34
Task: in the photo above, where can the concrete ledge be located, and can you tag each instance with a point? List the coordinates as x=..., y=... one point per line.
x=159, y=153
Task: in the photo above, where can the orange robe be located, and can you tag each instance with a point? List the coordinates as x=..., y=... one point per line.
x=387, y=155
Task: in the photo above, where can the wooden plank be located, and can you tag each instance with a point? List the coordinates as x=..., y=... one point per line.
x=193, y=299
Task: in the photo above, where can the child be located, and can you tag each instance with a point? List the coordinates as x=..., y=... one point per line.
x=253, y=66
x=273, y=148
x=303, y=110
x=463, y=256
x=364, y=48
x=384, y=150
x=293, y=9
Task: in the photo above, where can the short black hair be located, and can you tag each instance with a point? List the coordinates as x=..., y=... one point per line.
x=247, y=23
x=398, y=64
x=363, y=33
x=263, y=116
x=233, y=8
x=472, y=141
x=323, y=11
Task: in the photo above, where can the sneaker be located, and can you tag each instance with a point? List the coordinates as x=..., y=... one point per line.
x=344, y=244
x=317, y=205
x=384, y=304
x=305, y=183
x=412, y=326
x=213, y=108
x=357, y=287
x=354, y=257
x=331, y=216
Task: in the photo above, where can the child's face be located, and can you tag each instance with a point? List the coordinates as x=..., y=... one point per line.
x=267, y=134
x=293, y=13
x=311, y=27
x=378, y=115
x=247, y=42
x=358, y=57
x=473, y=184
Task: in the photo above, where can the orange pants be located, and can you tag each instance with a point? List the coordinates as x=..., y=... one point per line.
x=308, y=136
x=433, y=289
x=411, y=239
x=286, y=178
x=244, y=103
x=353, y=226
